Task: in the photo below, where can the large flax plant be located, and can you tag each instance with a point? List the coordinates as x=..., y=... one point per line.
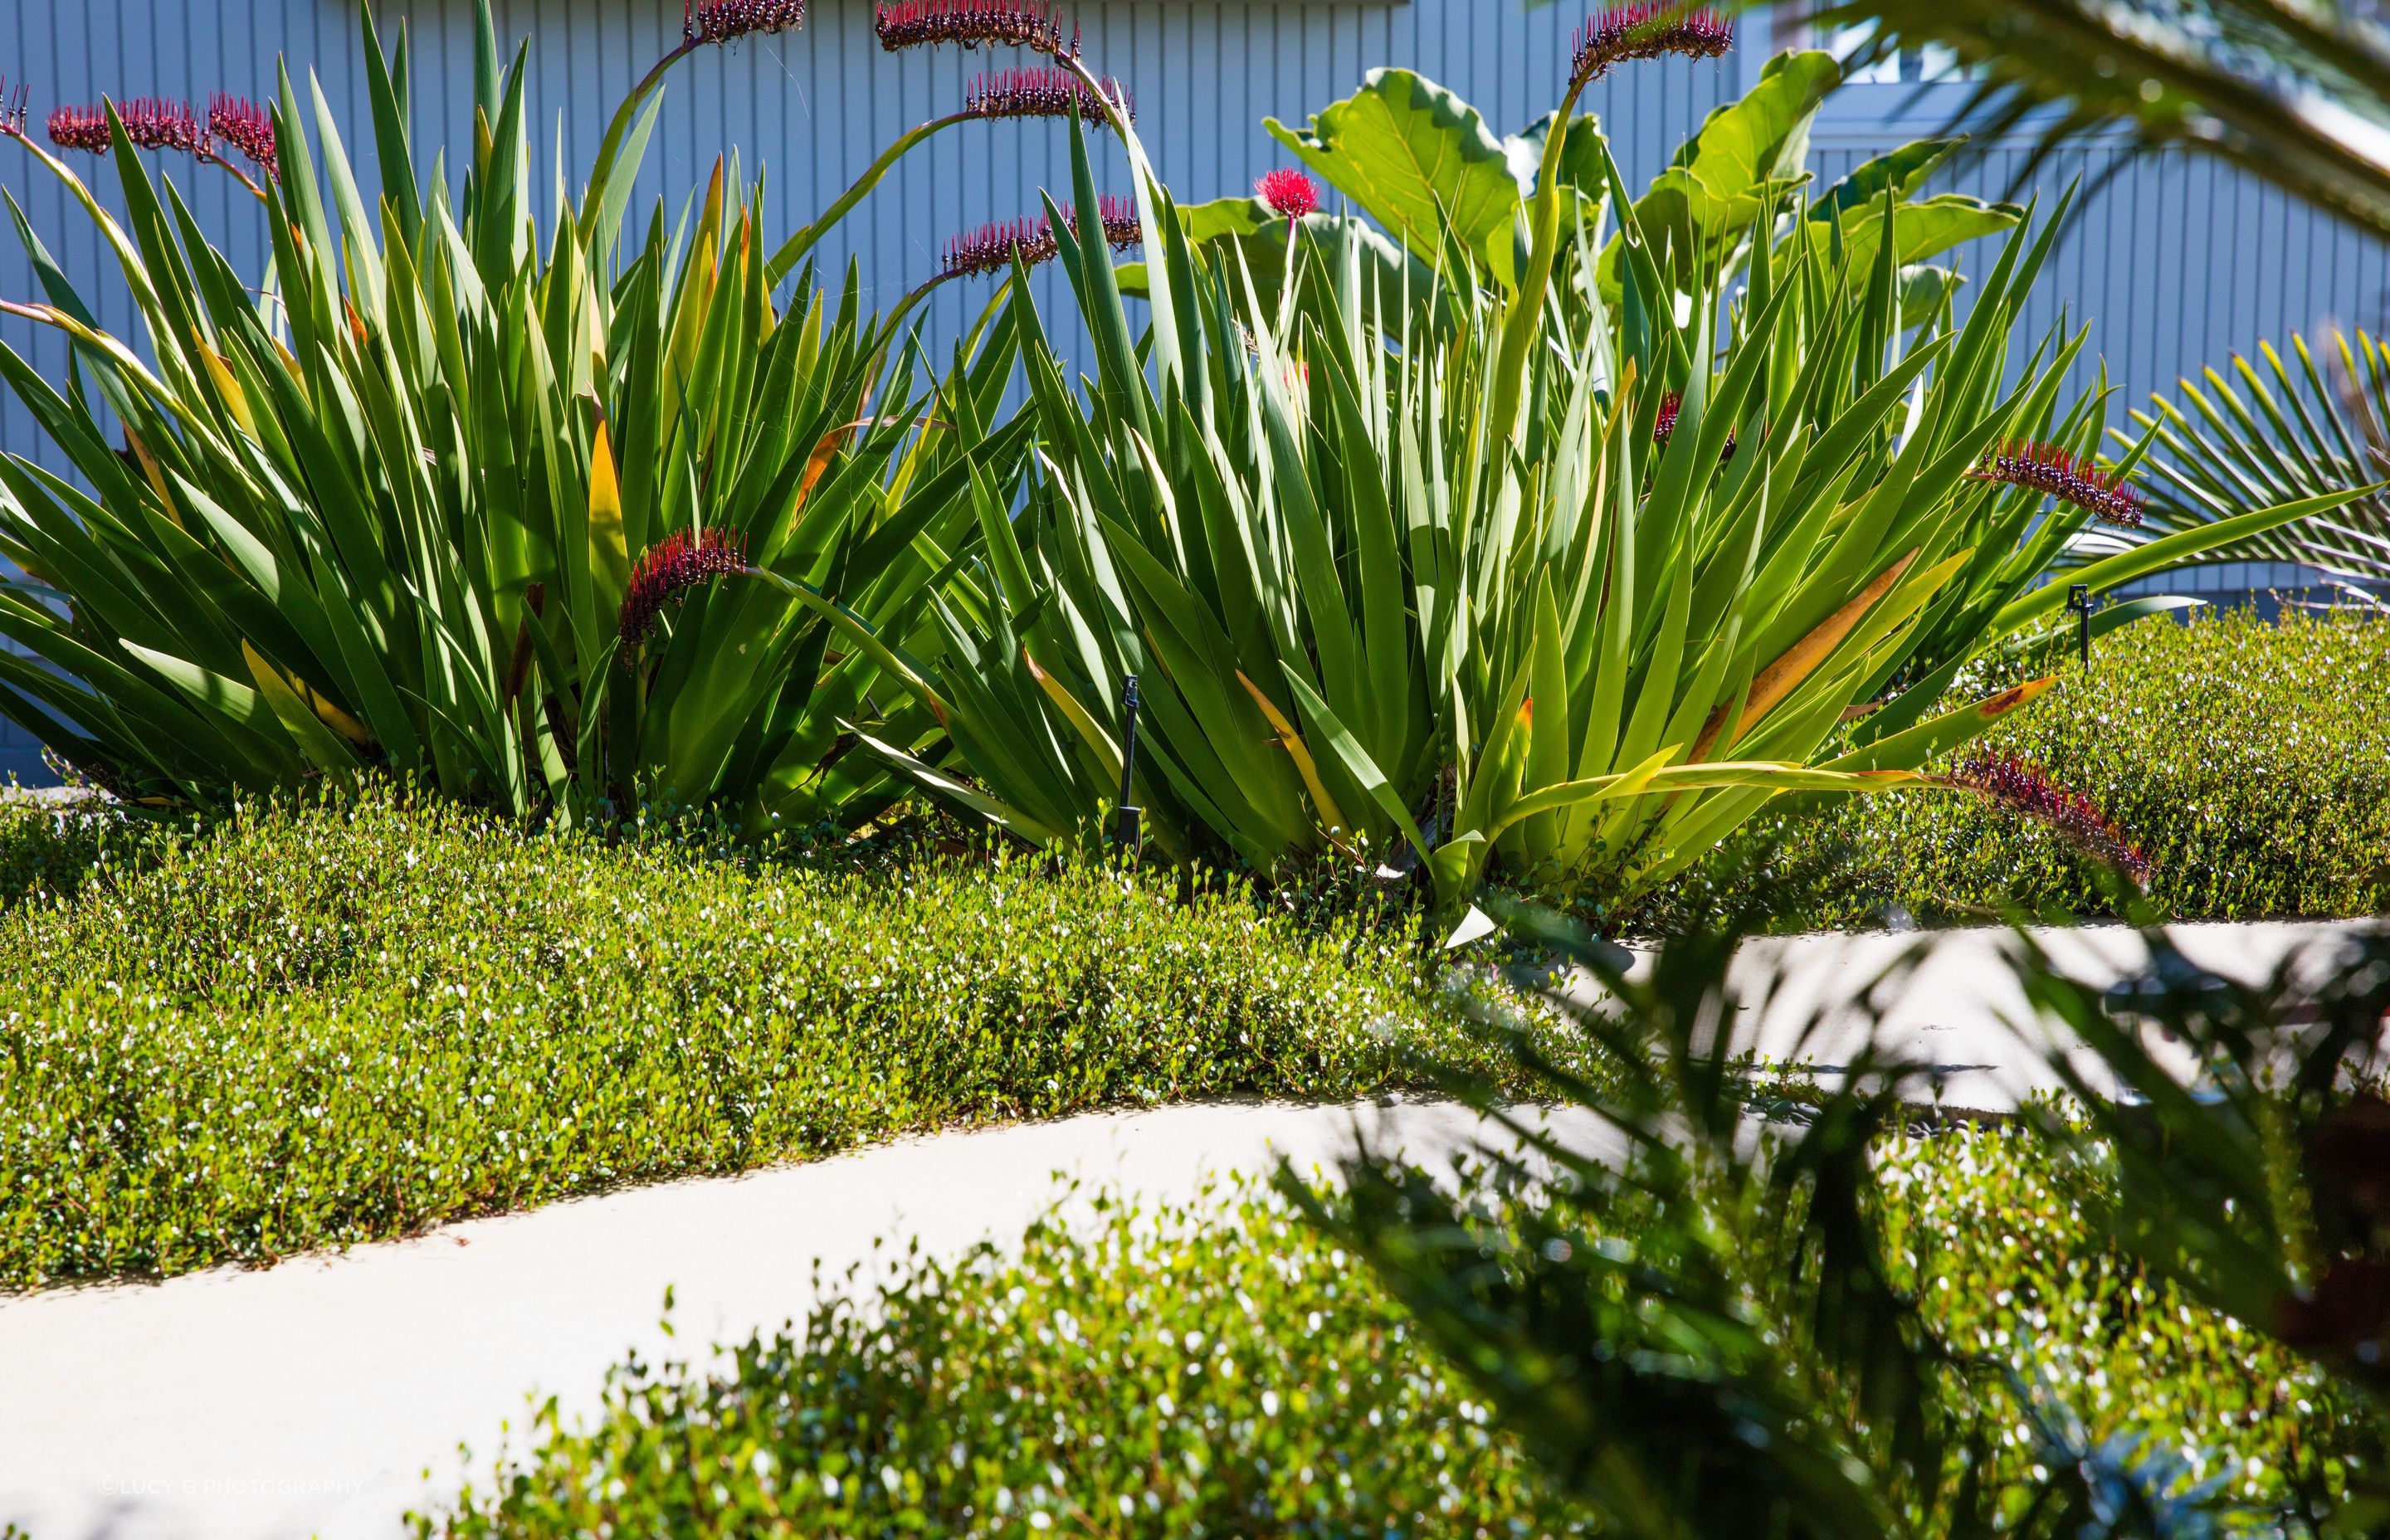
x=1529, y=551
x=549, y=523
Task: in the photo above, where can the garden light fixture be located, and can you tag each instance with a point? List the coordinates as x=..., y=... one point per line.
x=1126, y=814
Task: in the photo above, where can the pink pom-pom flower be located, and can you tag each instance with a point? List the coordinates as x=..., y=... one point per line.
x=1288, y=194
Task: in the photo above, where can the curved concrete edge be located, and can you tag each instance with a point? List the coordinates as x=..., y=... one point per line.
x=328, y=1395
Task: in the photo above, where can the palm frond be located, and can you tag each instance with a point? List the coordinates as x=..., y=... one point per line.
x=2272, y=430
x=2291, y=92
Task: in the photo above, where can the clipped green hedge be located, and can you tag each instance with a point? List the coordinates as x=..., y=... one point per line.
x=342, y=1021
x=1223, y=1370
x=1989, y=1230
x=1215, y=1369
x=2249, y=761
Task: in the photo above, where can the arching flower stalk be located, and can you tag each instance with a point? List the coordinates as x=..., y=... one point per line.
x=248, y=128
x=2027, y=789
x=150, y=122
x=1044, y=93
x=1618, y=33
x=2075, y=479
x=700, y=27
x=917, y=23
x=669, y=569
x=1056, y=92
x=991, y=249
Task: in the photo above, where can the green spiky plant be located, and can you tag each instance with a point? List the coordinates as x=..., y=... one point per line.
x=2231, y=442
x=549, y=523
x=1402, y=554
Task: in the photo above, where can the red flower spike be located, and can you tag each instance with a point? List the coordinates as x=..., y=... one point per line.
x=913, y=23
x=153, y=122
x=1288, y=194
x=1618, y=33
x=248, y=128
x=1047, y=92
x=669, y=569
x=1119, y=215
x=726, y=20
x=2069, y=478
x=991, y=248
x=150, y=122
x=1665, y=428
x=2029, y=790
x=84, y=128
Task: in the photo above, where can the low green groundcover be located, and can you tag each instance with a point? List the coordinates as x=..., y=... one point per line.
x=2249, y=761
x=1221, y=1370
x=342, y=1021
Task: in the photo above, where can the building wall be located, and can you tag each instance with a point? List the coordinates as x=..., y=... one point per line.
x=2175, y=262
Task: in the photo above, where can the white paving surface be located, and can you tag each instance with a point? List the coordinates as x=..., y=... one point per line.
x=328, y=1394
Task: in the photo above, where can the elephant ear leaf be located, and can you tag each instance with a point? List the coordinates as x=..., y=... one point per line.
x=1421, y=163
x=1903, y=170
x=1747, y=154
x=1926, y=228
x=1922, y=289
x=1580, y=158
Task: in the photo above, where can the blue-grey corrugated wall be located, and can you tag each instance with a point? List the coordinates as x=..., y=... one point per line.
x=2176, y=261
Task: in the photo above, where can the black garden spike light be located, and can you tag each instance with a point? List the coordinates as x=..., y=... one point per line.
x=1126, y=833
x=2078, y=601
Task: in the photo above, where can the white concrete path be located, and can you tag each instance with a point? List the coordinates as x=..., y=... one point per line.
x=328, y=1394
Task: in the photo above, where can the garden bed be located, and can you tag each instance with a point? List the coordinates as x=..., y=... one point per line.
x=332, y=1021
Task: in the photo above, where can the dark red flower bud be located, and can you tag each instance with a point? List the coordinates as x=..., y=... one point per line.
x=84, y=128
x=12, y=110
x=1665, y=428
x=669, y=569
x=991, y=248
x=1618, y=33
x=153, y=122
